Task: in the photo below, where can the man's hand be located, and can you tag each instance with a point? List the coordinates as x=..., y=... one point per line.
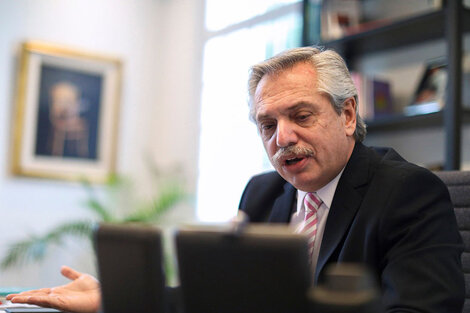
x=82, y=295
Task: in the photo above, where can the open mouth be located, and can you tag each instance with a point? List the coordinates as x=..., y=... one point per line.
x=293, y=157
x=293, y=161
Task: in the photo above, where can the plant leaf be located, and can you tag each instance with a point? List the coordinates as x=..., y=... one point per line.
x=170, y=192
x=19, y=253
x=76, y=228
x=168, y=197
x=99, y=209
x=34, y=248
x=94, y=204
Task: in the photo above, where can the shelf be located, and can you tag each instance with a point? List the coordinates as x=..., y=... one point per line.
x=447, y=25
x=403, y=122
x=414, y=30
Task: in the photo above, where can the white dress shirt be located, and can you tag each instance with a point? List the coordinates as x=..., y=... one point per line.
x=326, y=194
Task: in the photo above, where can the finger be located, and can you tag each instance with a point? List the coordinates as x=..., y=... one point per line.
x=69, y=272
x=21, y=299
x=29, y=292
x=34, y=291
x=44, y=301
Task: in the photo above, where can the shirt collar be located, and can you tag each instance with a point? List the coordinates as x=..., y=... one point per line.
x=326, y=193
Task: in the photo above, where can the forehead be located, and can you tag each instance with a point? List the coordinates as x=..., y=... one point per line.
x=293, y=84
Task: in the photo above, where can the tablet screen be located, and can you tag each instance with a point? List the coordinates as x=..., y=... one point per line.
x=263, y=269
x=130, y=268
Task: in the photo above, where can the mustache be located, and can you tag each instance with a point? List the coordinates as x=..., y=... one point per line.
x=291, y=151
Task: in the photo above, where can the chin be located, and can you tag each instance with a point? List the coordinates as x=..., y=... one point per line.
x=306, y=184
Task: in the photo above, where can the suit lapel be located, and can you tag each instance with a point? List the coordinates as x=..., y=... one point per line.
x=346, y=202
x=284, y=205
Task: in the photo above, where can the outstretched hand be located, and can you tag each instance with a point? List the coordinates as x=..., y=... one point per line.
x=81, y=295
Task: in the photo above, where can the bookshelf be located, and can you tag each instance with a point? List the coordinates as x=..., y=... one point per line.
x=405, y=123
x=448, y=23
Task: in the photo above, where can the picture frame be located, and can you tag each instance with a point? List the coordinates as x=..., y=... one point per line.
x=67, y=111
x=429, y=96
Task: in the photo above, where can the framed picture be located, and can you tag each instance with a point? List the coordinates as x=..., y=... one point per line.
x=429, y=96
x=66, y=114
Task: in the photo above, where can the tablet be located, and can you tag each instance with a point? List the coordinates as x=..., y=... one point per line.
x=259, y=269
x=130, y=268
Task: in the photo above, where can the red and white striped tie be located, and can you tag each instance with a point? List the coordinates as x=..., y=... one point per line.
x=311, y=204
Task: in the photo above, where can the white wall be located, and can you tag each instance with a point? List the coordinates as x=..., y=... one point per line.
x=159, y=44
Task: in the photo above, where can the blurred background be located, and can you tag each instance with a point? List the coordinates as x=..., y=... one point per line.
x=183, y=104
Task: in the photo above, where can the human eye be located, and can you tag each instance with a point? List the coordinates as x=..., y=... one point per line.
x=266, y=128
x=303, y=117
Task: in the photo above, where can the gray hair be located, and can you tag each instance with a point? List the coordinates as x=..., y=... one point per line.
x=334, y=79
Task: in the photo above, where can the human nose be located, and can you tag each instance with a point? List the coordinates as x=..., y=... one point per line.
x=286, y=134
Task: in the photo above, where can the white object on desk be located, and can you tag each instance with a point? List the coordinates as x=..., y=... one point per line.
x=8, y=304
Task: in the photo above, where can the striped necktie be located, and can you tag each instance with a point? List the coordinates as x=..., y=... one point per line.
x=311, y=204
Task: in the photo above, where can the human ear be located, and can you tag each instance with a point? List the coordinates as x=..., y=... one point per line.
x=349, y=116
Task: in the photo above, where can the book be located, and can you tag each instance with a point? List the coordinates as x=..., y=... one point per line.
x=342, y=18
x=381, y=98
x=338, y=15
x=374, y=96
x=361, y=86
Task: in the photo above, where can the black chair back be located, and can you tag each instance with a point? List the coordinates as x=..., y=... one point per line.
x=458, y=183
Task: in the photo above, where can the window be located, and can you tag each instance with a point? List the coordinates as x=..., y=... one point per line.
x=230, y=148
x=220, y=14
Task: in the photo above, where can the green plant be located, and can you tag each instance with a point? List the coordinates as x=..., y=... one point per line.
x=119, y=193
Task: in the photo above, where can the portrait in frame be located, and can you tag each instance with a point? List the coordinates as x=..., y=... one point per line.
x=66, y=113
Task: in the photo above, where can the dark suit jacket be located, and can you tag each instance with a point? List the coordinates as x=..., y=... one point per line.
x=389, y=214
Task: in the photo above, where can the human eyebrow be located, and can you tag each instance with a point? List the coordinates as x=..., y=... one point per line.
x=261, y=117
x=299, y=106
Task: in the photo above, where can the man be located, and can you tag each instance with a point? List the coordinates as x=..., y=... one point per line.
x=370, y=206
x=375, y=207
